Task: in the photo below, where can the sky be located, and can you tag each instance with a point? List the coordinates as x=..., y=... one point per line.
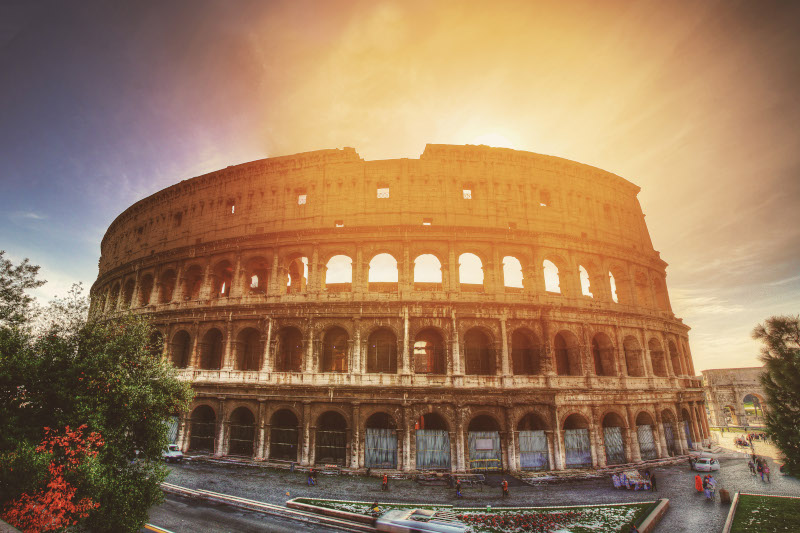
x=104, y=103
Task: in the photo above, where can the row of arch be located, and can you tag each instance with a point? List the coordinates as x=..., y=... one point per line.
x=331, y=436
x=252, y=277
x=429, y=353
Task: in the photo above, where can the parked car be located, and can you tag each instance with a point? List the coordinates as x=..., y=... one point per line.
x=706, y=464
x=172, y=454
x=418, y=520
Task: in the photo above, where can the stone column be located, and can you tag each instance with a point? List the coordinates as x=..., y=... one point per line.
x=662, y=438
x=355, y=448
x=505, y=366
x=306, y=446
x=227, y=356
x=636, y=454
x=405, y=366
x=513, y=459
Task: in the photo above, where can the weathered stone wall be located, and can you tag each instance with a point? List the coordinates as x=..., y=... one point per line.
x=219, y=262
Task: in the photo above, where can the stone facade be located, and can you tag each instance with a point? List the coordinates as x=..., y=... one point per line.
x=259, y=278
x=726, y=389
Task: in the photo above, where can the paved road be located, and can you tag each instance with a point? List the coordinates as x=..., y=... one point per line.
x=186, y=515
x=689, y=511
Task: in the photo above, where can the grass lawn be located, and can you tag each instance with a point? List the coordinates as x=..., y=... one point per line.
x=766, y=514
x=589, y=519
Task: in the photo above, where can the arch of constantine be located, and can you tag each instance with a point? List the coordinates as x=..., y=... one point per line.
x=734, y=396
x=474, y=309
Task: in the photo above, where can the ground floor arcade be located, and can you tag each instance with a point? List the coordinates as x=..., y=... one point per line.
x=461, y=435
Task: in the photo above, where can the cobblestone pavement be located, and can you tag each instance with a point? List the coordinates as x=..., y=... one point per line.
x=689, y=511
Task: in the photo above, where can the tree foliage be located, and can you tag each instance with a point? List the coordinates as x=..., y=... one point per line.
x=780, y=353
x=105, y=377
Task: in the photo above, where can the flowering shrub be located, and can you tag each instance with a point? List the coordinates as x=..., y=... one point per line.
x=55, y=506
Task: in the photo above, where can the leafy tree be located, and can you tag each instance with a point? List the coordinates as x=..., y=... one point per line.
x=105, y=377
x=781, y=381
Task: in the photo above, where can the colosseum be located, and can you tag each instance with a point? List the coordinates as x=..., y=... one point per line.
x=476, y=309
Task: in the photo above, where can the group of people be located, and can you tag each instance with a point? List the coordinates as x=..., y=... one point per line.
x=759, y=467
x=706, y=484
x=635, y=482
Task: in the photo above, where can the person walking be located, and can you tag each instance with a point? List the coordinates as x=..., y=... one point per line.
x=504, y=486
x=698, y=483
x=385, y=484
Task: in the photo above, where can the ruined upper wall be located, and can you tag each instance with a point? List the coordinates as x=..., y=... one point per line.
x=510, y=189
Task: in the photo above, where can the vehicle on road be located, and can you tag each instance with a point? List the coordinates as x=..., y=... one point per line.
x=706, y=464
x=422, y=520
x=172, y=454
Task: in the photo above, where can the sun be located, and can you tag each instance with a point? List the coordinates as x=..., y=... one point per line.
x=494, y=139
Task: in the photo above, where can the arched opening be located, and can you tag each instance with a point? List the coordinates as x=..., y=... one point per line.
x=127, y=293
x=668, y=425
x=335, y=350
x=339, y=274
x=470, y=272
x=577, y=450
x=297, y=275
x=525, y=353
x=633, y=357
x=248, y=350
x=181, y=349
x=382, y=351
x=242, y=430
x=145, y=289
x=483, y=439
x=380, y=442
x=211, y=350
x=512, y=272
x=478, y=353
x=612, y=282
x=192, y=283
x=284, y=436
x=166, y=286
x=429, y=352
x=568, y=354
x=432, y=443
x=552, y=283
x=603, y=355
x=646, y=437
x=427, y=272
x=585, y=282
x=256, y=276
x=223, y=278
x=675, y=357
x=657, y=358
x=203, y=431
x=383, y=274
x=753, y=406
x=533, y=448
x=613, y=425
x=113, y=299
x=331, y=439
x=289, y=351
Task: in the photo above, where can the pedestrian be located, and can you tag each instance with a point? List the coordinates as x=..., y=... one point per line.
x=458, y=489
x=504, y=486
x=311, y=481
x=766, y=472
x=385, y=484
x=698, y=483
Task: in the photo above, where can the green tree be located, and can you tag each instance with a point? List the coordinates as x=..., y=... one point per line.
x=780, y=353
x=106, y=376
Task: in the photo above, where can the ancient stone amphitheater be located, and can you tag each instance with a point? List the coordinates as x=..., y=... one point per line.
x=474, y=309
